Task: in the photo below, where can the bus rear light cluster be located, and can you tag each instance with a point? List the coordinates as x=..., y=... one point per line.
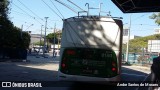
x=113, y=69
x=114, y=66
x=63, y=65
x=71, y=52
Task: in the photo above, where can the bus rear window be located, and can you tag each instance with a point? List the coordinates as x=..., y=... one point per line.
x=89, y=62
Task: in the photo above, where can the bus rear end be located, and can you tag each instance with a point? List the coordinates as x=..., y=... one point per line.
x=89, y=62
x=91, y=49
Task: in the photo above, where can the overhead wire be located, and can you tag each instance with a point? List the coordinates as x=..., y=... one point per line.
x=30, y=10
x=64, y=4
x=139, y=17
x=22, y=10
x=76, y=5
x=57, y=8
x=27, y=13
x=19, y=13
x=144, y=24
x=51, y=9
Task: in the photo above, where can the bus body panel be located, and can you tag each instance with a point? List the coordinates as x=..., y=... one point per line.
x=65, y=77
x=99, y=33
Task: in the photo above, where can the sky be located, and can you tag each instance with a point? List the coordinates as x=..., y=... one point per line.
x=31, y=14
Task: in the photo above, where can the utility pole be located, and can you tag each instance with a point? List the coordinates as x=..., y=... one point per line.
x=44, y=47
x=54, y=46
x=40, y=37
x=127, y=50
x=21, y=30
x=58, y=39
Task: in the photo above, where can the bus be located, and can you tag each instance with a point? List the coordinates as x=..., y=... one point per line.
x=91, y=49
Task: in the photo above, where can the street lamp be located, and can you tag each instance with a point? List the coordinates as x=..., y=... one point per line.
x=29, y=26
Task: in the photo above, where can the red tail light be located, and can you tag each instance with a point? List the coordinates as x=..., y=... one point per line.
x=71, y=52
x=63, y=65
x=114, y=66
x=113, y=69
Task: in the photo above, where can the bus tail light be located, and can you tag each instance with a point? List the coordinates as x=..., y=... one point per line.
x=114, y=66
x=113, y=69
x=63, y=65
x=71, y=52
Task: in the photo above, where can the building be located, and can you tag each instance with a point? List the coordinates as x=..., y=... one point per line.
x=157, y=31
x=36, y=38
x=125, y=32
x=153, y=46
x=125, y=36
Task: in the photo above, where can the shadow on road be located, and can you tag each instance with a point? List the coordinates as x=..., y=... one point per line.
x=17, y=72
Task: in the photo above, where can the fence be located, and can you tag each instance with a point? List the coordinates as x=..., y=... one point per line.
x=138, y=58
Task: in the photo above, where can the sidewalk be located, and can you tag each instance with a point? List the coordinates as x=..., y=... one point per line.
x=35, y=69
x=48, y=63
x=145, y=69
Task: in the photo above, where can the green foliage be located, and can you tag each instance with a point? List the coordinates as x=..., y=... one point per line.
x=51, y=36
x=4, y=8
x=142, y=42
x=13, y=39
x=156, y=17
x=11, y=36
x=39, y=43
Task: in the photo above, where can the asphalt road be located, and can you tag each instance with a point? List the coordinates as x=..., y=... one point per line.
x=45, y=69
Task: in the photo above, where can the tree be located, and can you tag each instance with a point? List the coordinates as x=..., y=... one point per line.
x=10, y=36
x=51, y=36
x=5, y=23
x=137, y=44
x=156, y=17
x=39, y=43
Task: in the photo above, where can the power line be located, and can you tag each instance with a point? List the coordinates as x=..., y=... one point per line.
x=144, y=30
x=67, y=6
x=57, y=9
x=30, y=10
x=19, y=12
x=51, y=9
x=139, y=17
x=27, y=14
x=22, y=10
x=55, y=20
x=76, y=5
x=144, y=24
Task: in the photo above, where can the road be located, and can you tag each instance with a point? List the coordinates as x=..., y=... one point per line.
x=45, y=69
